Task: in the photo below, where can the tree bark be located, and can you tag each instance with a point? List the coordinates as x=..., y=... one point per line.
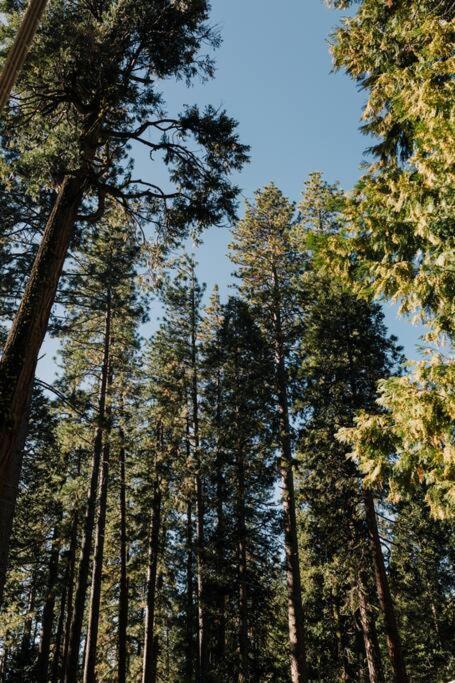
x=242, y=571
x=370, y=638
x=47, y=619
x=385, y=598
x=220, y=595
x=72, y=660
x=98, y=556
x=18, y=51
x=20, y=354
x=200, y=503
x=189, y=655
x=59, y=634
x=123, y=593
x=69, y=578
x=150, y=640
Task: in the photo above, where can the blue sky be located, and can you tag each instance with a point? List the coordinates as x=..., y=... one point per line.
x=274, y=75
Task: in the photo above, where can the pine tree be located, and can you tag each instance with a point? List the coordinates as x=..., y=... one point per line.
x=72, y=123
x=267, y=266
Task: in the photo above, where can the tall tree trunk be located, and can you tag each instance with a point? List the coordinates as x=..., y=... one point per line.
x=346, y=672
x=69, y=578
x=47, y=619
x=27, y=630
x=295, y=607
x=201, y=620
x=72, y=660
x=370, y=639
x=189, y=655
x=20, y=354
x=384, y=595
x=150, y=641
x=59, y=634
x=242, y=571
x=98, y=555
x=200, y=503
x=220, y=594
x=18, y=51
x=123, y=593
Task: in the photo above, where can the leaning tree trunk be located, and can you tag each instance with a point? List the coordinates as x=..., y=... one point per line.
x=20, y=354
x=47, y=619
x=123, y=592
x=18, y=51
x=98, y=557
x=370, y=639
x=72, y=659
x=150, y=641
x=384, y=595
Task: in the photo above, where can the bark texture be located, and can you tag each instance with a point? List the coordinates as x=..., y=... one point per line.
x=20, y=354
x=385, y=598
x=150, y=640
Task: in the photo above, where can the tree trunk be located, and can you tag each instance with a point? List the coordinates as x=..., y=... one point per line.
x=346, y=672
x=295, y=607
x=384, y=595
x=370, y=638
x=20, y=354
x=123, y=594
x=27, y=631
x=242, y=571
x=150, y=641
x=47, y=619
x=59, y=635
x=69, y=578
x=200, y=504
x=18, y=51
x=189, y=656
x=72, y=660
x=98, y=556
x=220, y=594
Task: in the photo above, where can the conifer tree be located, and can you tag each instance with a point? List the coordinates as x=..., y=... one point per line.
x=73, y=126
x=398, y=241
x=267, y=267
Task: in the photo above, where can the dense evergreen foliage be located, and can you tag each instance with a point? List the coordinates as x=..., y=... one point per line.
x=246, y=488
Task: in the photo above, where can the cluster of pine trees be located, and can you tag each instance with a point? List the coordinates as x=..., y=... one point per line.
x=259, y=490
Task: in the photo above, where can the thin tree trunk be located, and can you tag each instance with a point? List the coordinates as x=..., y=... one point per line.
x=70, y=583
x=98, y=556
x=72, y=660
x=123, y=594
x=346, y=673
x=220, y=595
x=189, y=656
x=370, y=639
x=295, y=607
x=47, y=619
x=242, y=571
x=27, y=631
x=150, y=651
x=59, y=634
x=385, y=598
x=18, y=51
x=20, y=354
x=200, y=504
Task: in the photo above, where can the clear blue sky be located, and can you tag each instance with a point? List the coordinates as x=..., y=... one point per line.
x=274, y=75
